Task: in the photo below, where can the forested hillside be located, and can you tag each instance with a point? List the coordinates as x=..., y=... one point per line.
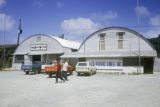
x=6, y=61
x=156, y=43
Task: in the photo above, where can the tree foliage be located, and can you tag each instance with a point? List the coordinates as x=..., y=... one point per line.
x=156, y=44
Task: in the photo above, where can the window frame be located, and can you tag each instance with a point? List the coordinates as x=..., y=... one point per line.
x=17, y=59
x=120, y=39
x=102, y=41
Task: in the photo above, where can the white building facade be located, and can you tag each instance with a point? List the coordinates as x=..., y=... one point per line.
x=117, y=49
x=42, y=48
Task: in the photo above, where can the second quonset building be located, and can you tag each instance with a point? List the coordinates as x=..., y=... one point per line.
x=116, y=49
x=43, y=49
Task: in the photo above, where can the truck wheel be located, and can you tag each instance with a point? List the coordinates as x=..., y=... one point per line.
x=90, y=73
x=70, y=73
x=50, y=75
x=27, y=72
x=95, y=72
x=39, y=71
x=78, y=73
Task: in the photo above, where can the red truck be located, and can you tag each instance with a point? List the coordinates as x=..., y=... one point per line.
x=52, y=69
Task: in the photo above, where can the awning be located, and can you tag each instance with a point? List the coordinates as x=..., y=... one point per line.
x=39, y=53
x=110, y=54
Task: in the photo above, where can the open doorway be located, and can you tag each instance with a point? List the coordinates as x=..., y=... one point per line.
x=36, y=58
x=148, y=65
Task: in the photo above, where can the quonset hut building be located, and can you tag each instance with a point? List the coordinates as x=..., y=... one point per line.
x=42, y=48
x=116, y=49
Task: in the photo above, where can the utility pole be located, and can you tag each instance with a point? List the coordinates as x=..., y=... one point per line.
x=19, y=31
x=139, y=50
x=4, y=47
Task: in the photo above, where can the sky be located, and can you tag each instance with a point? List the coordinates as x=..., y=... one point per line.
x=76, y=19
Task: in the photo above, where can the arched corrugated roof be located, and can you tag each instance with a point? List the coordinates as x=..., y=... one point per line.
x=118, y=28
x=67, y=43
x=63, y=42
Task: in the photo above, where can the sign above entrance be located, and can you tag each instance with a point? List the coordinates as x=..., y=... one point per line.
x=38, y=47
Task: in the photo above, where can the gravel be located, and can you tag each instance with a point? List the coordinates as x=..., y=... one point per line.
x=99, y=90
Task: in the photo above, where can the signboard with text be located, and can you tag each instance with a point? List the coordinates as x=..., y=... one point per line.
x=38, y=47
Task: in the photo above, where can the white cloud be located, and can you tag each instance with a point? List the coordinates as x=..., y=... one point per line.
x=37, y=4
x=6, y=20
x=79, y=27
x=2, y=2
x=59, y=4
x=155, y=20
x=142, y=11
x=105, y=19
x=110, y=15
x=155, y=29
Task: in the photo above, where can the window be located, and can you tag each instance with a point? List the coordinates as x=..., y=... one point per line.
x=103, y=63
x=36, y=58
x=82, y=64
x=91, y=63
x=119, y=63
x=74, y=50
x=120, y=39
x=19, y=59
x=120, y=44
x=102, y=45
x=120, y=33
x=102, y=36
x=82, y=59
x=102, y=41
x=38, y=39
x=108, y=63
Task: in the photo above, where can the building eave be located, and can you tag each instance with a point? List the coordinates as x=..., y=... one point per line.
x=109, y=54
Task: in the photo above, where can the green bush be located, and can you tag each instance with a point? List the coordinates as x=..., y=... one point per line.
x=6, y=64
x=1, y=64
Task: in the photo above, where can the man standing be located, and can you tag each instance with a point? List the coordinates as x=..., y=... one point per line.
x=58, y=73
x=64, y=69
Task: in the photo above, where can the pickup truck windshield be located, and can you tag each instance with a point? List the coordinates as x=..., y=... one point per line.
x=82, y=64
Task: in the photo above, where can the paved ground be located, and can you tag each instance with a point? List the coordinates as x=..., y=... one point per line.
x=100, y=90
